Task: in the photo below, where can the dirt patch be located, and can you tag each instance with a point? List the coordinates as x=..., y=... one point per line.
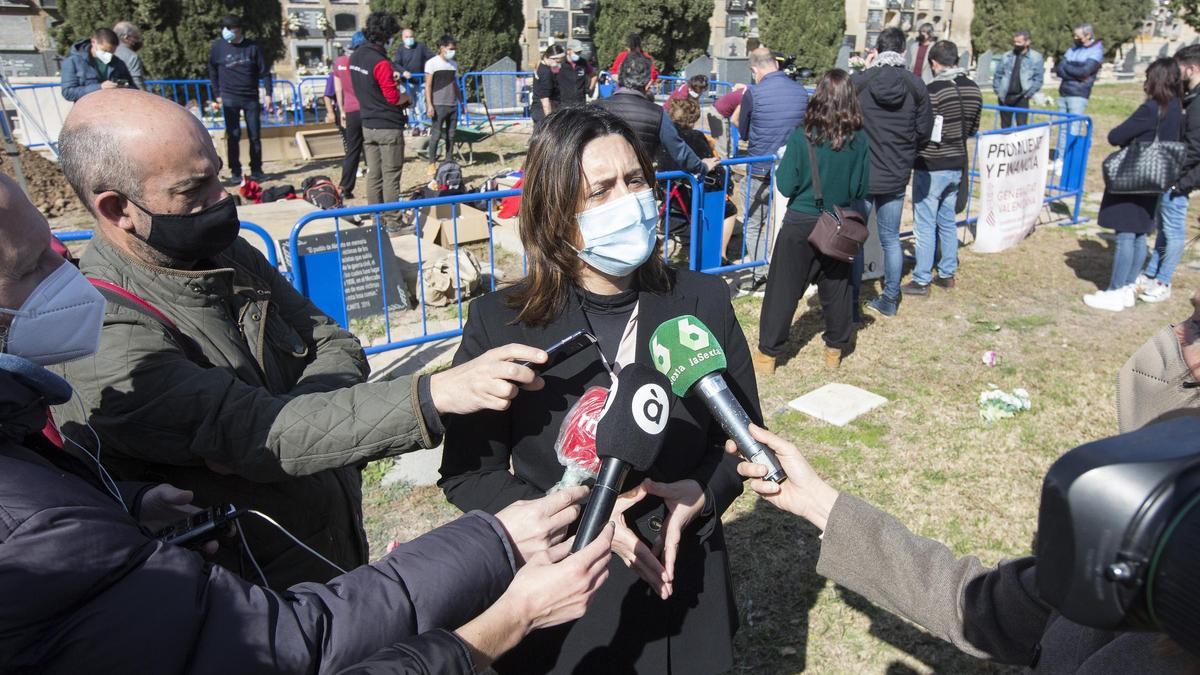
x=47, y=187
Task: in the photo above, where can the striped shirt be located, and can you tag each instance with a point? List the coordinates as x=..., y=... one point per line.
x=958, y=102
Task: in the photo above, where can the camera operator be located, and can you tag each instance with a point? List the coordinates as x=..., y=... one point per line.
x=1067, y=609
x=87, y=588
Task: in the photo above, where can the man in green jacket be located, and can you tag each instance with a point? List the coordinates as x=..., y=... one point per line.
x=259, y=399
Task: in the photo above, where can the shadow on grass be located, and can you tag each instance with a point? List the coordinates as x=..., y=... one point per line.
x=774, y=560
x=1092, y=261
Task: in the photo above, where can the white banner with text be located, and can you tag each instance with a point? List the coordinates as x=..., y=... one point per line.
x=1012, y=173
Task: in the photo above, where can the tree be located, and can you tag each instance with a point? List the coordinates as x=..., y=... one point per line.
x=673, y=31
x=176, y=34
x=812, y=30
x=486, y=30
x=1050, y=22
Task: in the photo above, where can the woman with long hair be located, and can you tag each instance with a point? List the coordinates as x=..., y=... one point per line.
x=832, y=132
x=1133, y=216
x=546, y=93
x=589, y=221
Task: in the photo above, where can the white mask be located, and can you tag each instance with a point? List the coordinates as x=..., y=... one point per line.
x=59, y=322
x=619, y=236
x=450, y=54
x=693, y=93
x=103, y=56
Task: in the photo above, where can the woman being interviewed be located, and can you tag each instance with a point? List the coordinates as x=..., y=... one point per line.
x=589, y=222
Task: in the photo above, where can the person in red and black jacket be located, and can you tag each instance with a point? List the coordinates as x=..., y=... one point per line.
x=381, y=106
x=634, y=44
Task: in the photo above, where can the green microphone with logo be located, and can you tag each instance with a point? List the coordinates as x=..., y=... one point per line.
x=687, y=352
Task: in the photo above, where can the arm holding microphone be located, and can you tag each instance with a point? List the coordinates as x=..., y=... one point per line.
x=986, y=612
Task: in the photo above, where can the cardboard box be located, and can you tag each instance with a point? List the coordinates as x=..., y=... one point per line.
x=437, y=224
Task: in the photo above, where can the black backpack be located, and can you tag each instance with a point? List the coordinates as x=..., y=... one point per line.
x=320, y=191
x=449, y=177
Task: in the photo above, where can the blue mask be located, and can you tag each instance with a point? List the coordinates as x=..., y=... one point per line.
x=227, y=34
x=619, y=236
x=409, y=42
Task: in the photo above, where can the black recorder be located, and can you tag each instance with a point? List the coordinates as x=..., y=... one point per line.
x=202, y=527
x=563, y=350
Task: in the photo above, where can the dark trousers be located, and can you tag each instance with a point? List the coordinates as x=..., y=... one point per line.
x=1006, y=117
x=352, y=139
x=797, y=264
x=233, y=110
x=445, y=118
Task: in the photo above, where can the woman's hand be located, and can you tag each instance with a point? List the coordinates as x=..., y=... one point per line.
x=803, y=493
x=684, y=500
x=537, y=525
x=632, y=550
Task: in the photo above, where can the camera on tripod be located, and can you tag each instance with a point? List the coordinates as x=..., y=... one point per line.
x=787, y=63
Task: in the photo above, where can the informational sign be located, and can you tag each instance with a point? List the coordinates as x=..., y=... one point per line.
x=1012, y=173
x=362, y=284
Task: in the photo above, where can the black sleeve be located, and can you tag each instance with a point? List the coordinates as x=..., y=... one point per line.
x=437, y=652
x=544, y=84
x=1191, y=174
x=1143, y=119
x=264, y=72
x=476, y=455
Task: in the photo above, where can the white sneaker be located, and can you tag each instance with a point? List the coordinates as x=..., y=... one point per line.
x=1128, y=295
x=1111, y=301
x=1156, y=292
x=1144, y=283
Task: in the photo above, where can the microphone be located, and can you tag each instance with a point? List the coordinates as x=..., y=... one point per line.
x=689, y=355
x=629, y=435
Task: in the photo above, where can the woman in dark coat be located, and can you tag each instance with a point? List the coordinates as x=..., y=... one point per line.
x=547, y=95
x=589, y=221
x=1132, y=216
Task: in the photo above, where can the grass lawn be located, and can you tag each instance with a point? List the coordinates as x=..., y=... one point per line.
x=926, y=456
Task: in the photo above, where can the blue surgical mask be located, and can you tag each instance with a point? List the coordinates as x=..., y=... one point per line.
x=227, y=34
x=409, y=42
x=619, y=236
x=574, y=58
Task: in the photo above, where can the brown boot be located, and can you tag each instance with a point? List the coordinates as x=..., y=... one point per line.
x=763, y=364
x=833, y=358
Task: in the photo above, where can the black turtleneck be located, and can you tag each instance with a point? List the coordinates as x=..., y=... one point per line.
x=607, y=315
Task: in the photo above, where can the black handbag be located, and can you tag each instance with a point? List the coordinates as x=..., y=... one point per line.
x=1144, y=168
x=839, y=233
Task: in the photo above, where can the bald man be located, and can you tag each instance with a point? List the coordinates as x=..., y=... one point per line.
x=247, y=394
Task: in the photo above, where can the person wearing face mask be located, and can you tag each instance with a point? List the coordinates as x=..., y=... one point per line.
x=92, y=66
x=595, y=264
x=410, y=59
x=1078, y=69
x=88, y=588
x=256, y=398
x=546, y=92
x=694, y=88
x=130, y=37
x=576, y=78
x=236, y=66
x=917, y=53
x=442, y=97
x=1018, y=77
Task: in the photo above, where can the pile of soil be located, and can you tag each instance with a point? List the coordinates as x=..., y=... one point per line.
x=47, y=186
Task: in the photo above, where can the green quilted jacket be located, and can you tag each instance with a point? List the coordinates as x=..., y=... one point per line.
x=280, y=418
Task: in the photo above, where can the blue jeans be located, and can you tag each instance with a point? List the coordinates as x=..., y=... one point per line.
x=1127, y=260
x=888, y=210
x=758, y=221
x=1074, y=105
x=233, y=109
x=1172, y=235
x=934, y=194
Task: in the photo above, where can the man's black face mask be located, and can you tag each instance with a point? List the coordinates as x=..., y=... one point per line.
x=193, y=236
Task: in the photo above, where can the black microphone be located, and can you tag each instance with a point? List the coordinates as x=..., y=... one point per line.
x=629, y=435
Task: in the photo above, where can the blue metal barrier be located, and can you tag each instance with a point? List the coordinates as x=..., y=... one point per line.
x=272, y=256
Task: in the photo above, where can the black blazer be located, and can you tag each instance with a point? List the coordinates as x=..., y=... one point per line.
x=626, y=629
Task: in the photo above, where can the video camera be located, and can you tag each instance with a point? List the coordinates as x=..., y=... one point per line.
x=1118, y=532
x=787, y=63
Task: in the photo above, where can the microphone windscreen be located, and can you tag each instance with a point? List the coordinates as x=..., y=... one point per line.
x=685, y=350
x=634, y=421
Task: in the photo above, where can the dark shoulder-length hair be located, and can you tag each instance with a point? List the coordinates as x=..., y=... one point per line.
x=833, y=113
x=554, y=190
x=1163, y=83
